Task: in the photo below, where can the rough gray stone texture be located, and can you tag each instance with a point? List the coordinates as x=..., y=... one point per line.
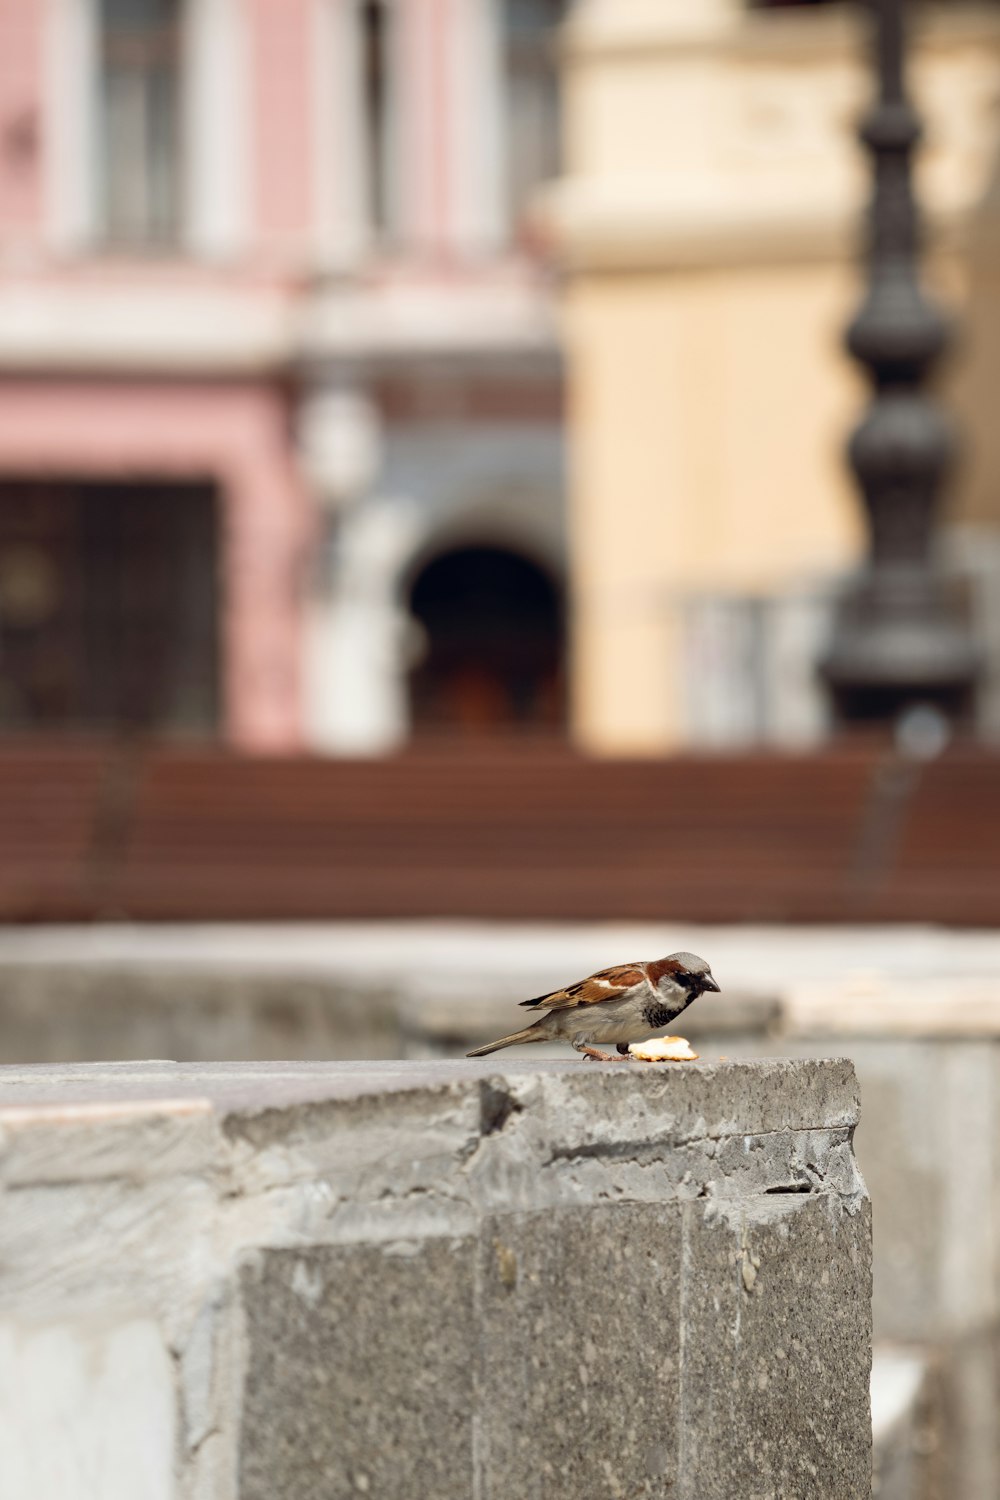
x=463, y=1279
x=580, y=1352
x=360, y=1370
x=777, y=1337
x=929, y=1148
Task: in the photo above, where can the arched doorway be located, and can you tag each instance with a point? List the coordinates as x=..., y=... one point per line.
x=489, y=644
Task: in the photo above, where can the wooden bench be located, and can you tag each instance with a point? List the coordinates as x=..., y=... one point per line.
x=514, y=830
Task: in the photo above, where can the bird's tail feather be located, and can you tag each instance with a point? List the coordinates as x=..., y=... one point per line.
x=529, y=1034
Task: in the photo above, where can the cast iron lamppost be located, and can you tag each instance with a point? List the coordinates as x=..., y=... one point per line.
x=902, y=633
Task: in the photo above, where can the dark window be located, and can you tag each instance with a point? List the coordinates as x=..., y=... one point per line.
x=140, y=121
x=533, y=106
x=108, y=605
x=491, y=644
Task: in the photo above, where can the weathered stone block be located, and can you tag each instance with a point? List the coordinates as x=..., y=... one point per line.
x=777, y=1350
x=457, y=1281
x=579, y=1352
x=360, y=1372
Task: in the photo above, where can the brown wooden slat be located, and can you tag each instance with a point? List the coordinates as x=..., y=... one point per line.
x=517, y=831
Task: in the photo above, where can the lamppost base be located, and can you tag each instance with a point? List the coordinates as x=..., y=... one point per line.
x=898, y=643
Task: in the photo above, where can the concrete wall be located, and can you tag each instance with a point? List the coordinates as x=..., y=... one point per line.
x=448, y=1279
x=925, y=1052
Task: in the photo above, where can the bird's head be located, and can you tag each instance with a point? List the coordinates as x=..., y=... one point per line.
x=685, y=970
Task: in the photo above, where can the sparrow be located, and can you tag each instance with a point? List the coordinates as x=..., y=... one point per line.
x=622, y=1004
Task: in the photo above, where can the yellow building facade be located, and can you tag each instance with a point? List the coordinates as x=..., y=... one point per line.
x=709, y=222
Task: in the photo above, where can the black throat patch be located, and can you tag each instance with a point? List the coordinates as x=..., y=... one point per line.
x=657, y=1014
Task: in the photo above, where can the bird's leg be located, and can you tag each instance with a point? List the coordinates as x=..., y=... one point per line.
x=595, y=1052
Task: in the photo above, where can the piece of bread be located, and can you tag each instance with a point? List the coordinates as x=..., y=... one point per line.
x=663, y=1049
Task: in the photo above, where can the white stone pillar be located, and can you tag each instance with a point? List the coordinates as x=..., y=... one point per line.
x=476, y=138
x=357, y=698
x=421, y=184
x=216, y=128
x=70, y=125
x=343, y=228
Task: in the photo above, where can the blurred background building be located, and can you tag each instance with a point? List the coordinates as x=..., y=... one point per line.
x=287, y=291
x=281, y=385
x=709, y=218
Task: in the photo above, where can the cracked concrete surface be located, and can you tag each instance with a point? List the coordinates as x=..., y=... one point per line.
x=540, y=1279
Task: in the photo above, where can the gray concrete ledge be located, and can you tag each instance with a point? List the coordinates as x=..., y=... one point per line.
x=363, y=990
x=453, y=1280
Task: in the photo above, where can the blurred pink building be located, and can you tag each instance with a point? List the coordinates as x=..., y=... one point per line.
x=279, y=382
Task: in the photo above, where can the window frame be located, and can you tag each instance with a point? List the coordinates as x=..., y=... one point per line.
x=151, y=241
x=539, y=55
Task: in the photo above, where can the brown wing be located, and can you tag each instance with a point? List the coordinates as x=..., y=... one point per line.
x=600, y=986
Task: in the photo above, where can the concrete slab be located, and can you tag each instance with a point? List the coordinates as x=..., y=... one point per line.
x=455, y=1278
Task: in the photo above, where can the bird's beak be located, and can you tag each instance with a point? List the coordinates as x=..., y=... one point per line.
x=708, y=983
